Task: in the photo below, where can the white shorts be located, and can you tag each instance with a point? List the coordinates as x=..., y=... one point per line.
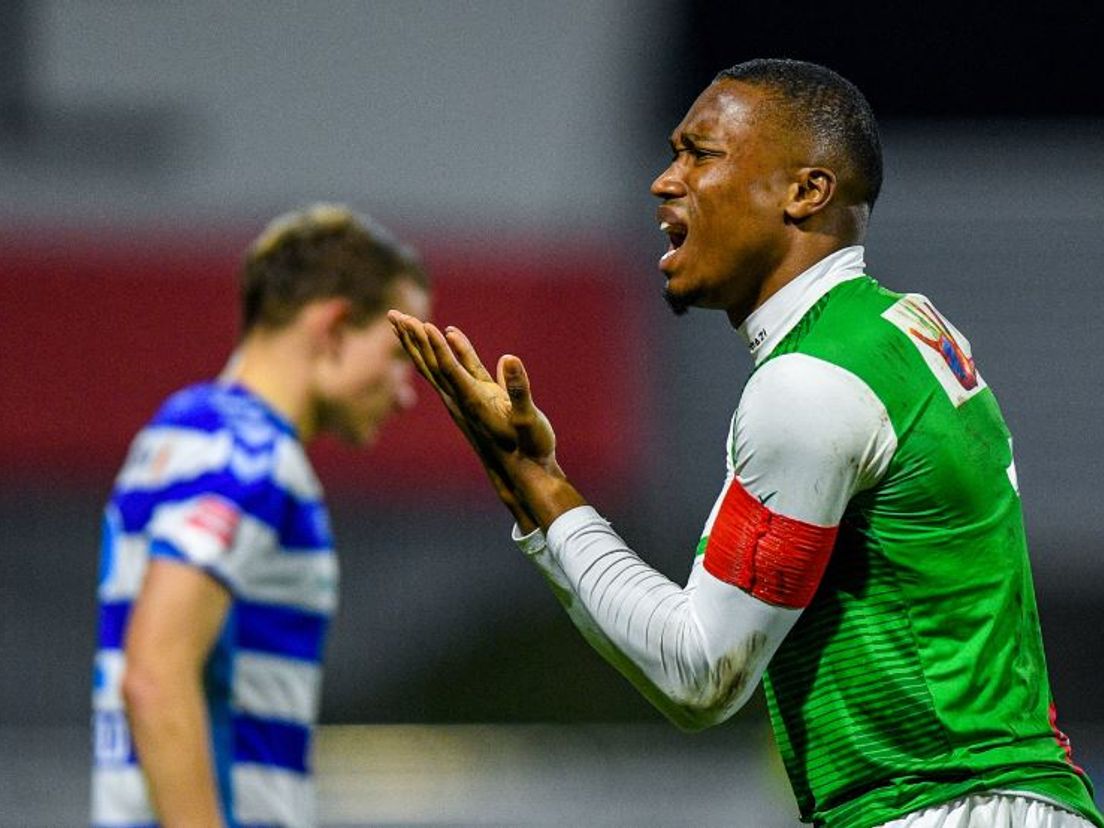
x=992, y=810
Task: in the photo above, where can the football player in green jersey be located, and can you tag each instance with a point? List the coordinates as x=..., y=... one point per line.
x=866, y=555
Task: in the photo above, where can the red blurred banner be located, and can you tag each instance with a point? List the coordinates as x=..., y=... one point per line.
x=95, y=333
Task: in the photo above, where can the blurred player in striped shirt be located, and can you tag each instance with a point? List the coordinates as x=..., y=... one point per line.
x=218, y=575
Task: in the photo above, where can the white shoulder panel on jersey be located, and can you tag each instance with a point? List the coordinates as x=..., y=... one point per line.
x=293, y=470
x=807, y=436
x=165, y=454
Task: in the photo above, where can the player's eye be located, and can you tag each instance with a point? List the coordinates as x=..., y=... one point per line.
x=696, y=153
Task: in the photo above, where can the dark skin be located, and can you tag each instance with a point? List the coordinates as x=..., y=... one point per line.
x=511, y=436
x=754, y=201
x=749, y=204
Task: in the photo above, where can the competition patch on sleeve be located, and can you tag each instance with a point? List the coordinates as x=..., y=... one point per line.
x=215, y=518
x=774, y=558
x=202, y=529
x=162, y=455
x=944, y=349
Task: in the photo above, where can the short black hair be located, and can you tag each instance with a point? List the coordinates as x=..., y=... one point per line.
x=829, y=107
x=320, y=252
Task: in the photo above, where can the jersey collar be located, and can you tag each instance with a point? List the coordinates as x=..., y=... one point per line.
x=770, y=322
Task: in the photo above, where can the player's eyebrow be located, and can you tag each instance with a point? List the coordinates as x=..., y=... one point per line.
x=687, y=139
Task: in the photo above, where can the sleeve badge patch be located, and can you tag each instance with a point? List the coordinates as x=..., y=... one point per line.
x=215, y=520
x=944, y=349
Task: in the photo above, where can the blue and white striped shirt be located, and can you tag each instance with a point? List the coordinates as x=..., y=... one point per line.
x=219, y=481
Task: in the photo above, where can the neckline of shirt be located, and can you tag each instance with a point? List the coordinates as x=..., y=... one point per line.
x=236, y=389
x=770, y=322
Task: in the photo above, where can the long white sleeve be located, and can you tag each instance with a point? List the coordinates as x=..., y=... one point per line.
x=805, y=438
x=696, y=652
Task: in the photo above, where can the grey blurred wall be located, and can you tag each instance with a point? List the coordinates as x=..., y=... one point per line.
x=460, y=113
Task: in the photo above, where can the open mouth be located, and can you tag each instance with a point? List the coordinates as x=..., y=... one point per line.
x=676, y=237
x=676, y=234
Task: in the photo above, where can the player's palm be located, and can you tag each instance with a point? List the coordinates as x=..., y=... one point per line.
x=501, y=410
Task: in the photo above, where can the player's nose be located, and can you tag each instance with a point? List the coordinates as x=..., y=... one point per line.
x=669, y=184
x=405, y=395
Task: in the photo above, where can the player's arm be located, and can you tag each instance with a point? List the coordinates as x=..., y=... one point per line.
x=806, y=437
x=695, y=653
x=810, y=436
x=511, y=435
x=174, y=624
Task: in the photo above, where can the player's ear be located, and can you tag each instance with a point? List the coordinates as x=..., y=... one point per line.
x=810, y=192
x=326, y=321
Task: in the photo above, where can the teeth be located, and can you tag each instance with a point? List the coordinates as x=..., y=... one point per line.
x=664, y=226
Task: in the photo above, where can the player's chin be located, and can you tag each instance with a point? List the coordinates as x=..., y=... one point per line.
x=358, y=433
x=365, y=436
x=679, y=299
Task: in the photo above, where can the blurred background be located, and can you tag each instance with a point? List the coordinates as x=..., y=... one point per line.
x=142, y=146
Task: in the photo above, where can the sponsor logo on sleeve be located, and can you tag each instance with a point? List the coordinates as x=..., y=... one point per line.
x=944, y=349
x=214, y=521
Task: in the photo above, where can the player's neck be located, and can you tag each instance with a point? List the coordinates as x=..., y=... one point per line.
x=277, y=369
x=797, y=259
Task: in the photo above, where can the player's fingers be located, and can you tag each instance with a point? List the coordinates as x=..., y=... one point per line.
x=411, y=349
x=419, y=363
x=449, y=368
x=483, y=404
x=415, y=329
x=534, y=433
x=466, y=353
x=426, y=360
x=513, y=377
x=404, y=329
x=398, y=324
x=420, y=333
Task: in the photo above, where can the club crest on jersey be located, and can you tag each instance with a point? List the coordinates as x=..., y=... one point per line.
x=945, y=350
